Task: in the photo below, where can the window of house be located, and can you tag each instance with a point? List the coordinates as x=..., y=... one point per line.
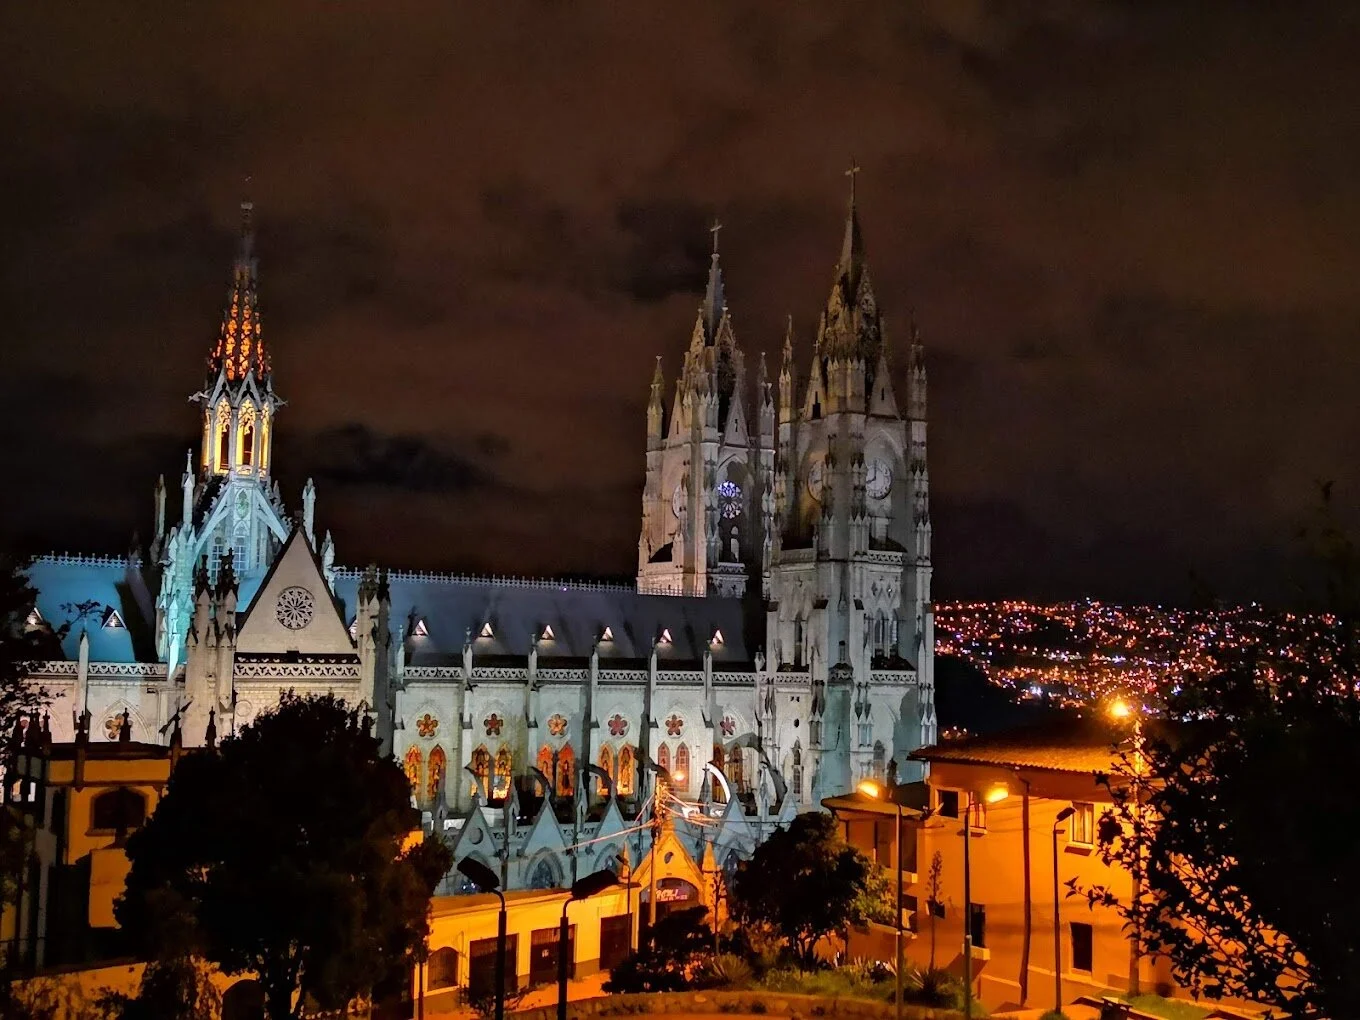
x=909, y=908
x=1081, y=827
x=120, y=810
x=947, y=803
x=977, y=925
x=442, y=970
x=1083, y=945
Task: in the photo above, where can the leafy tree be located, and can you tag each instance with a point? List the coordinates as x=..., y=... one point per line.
x=1231, y=818
x=678, y=950
x=285, y=854
x=176, y=988
x=20, y=699
x=808, y=883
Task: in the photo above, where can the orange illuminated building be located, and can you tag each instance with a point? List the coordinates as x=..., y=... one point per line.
x=1036, y=799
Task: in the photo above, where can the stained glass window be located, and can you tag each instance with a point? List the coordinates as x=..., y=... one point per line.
x=683, y=777
x=606, y=762
x=663, y=757
x=566, y=771
x=545, y=762
x=481, y=766
x=505, y=769
x=439, y=767
x=413, y=764
x=626, y=770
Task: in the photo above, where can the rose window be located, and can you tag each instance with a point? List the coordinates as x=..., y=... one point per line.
x=295, y=607
x=618, y=725
x=557, y=725
x=729, y=726
x=729, y=495
x=674, y=725
x=426, y=725
x=493, y=724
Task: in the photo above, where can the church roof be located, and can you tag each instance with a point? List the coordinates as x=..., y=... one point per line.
x=104, y=595
x=440, y=612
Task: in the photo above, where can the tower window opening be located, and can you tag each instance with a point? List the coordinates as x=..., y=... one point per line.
x=247, y=445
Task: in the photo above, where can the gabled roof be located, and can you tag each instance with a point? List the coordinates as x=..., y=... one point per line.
x=455, y=608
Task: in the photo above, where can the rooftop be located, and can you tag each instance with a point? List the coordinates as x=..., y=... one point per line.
x=1082, y=744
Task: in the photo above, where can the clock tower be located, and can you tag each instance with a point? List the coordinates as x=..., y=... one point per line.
x=849, y=606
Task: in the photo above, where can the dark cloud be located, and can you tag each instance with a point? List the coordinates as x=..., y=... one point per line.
x=1127, y=230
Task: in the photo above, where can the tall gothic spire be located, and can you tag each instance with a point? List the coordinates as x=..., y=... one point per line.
x=852, y=244
x=240, y=348
x=714, y=300
x=850, y=325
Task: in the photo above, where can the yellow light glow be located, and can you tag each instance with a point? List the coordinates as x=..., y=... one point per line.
x=996, y=794
x=1120, y=709
x=870, y=789
x=679, y=777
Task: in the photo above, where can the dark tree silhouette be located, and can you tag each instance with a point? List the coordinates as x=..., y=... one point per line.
x=807, y=883
x=286, y=854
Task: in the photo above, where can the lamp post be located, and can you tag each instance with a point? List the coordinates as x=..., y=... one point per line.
x=875, y=790
x=586, y=887
x=1063, y=816
x=993, y=796
x=486, y=880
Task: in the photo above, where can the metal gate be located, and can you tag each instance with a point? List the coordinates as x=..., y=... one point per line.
x=482, y=967
x=615, y=940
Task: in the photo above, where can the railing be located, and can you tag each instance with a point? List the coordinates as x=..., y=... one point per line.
x=69, y=559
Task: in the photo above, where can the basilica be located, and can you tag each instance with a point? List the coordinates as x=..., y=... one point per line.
x=775, y=648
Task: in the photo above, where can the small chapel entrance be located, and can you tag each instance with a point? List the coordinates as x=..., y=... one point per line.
x=672, y=895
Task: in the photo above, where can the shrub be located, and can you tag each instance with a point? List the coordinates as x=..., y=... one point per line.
x=726, y=970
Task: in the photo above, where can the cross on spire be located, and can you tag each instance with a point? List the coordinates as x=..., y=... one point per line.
x=714, y=230
x=851, y=173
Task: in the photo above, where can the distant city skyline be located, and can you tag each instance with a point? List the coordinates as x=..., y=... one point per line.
x=1126, y=231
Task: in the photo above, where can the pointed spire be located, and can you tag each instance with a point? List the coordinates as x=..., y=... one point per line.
x=788, y=342
x=658, y=381
x=852, y=244
x=715, y=302
x=240, y=347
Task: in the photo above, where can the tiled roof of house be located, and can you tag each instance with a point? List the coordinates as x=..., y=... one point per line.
x=1065, y=744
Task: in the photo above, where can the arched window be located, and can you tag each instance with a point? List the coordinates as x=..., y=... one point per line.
x=566, y=771
x=799, y=640
x=544, y=763
x=119, y=811
x=544, y=875
x=663, y=757
x=606, y=762
x=264, y=439
x=481, y=766
x=442, y=970
x=439, y=767
x=735, y=773
x=505, y=769
x=796, y=769
x=246, y=441
x=626, y=770
x=879, y=755
x=223, y=436
x=683, y=778
x=718, y=763
x=413, y=763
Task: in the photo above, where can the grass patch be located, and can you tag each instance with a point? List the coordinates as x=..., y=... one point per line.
x=1170, y=1009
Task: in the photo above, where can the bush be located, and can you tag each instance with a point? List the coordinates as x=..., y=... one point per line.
x=678, y=954
x=932, y=987
x=726, y=970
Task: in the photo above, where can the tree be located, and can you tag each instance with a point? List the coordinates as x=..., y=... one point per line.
x=286, y=854
x=808, y=883
x=677, y=950
x=176, y=988
x=20, y=700
x=1230, y=816
x=934, y=884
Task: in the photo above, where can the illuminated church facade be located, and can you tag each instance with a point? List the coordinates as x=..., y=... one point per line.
x=776, y=647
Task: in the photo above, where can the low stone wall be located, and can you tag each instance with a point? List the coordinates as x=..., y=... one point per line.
x=754, y=1001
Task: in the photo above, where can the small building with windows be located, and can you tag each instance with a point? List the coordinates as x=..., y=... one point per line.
x=1018, y=783
x=80, y=802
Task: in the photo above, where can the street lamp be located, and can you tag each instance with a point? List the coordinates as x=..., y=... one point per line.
x=583, y=889
x=1124, y=711
x=1063, y=816
x=870, y=788
x=486, y=881
x=993, y=796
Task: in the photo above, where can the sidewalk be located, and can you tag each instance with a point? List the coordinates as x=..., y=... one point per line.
x=584, y=988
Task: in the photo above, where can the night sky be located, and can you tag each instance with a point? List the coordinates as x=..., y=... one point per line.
x=1131, y=234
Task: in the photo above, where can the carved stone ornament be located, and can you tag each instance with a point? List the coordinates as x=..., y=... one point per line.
x=295, y=607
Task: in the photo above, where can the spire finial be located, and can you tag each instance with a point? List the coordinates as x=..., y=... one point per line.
x=852, y=173
x=715, y=230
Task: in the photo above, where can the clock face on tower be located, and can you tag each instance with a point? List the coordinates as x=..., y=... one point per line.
x=878, y=481
x=678, y=499
x=815, y=479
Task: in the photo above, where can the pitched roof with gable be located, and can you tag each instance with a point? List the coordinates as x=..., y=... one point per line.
x=1064, y=744
x=452, y=609
x=109, y=584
